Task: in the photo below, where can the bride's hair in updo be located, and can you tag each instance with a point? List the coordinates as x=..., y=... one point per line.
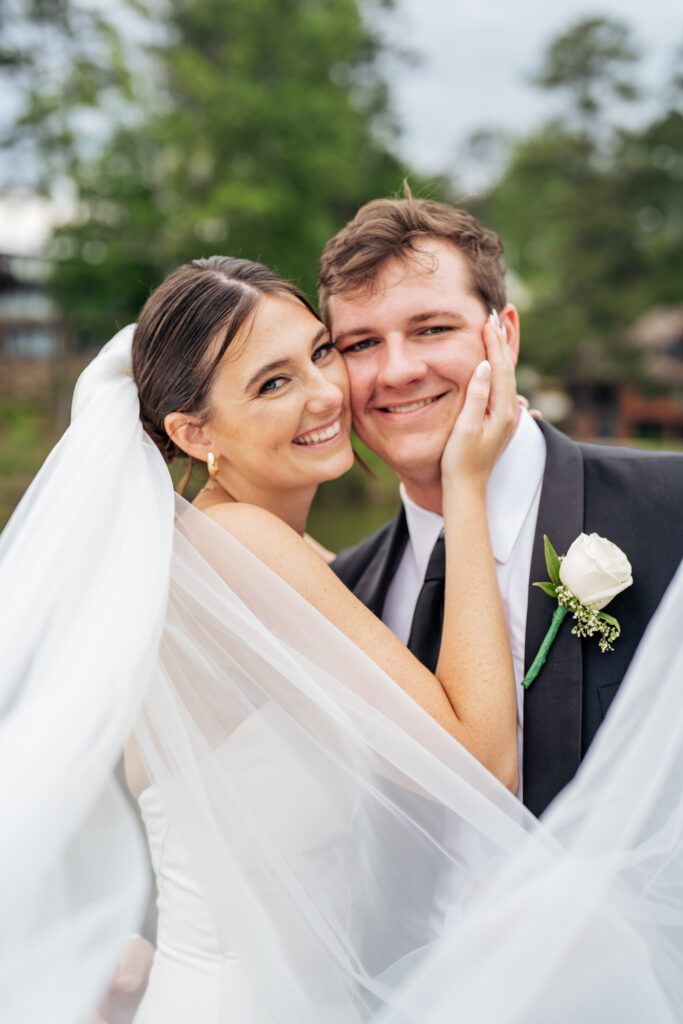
x=201, y=303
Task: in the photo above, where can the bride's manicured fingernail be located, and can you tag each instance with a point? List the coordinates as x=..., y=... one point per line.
x=494, y=318
x=483, y=371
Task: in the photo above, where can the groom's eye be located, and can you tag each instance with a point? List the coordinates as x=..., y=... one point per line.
x=360, y=346
x=436, y=329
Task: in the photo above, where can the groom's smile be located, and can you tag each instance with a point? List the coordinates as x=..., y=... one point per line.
x=411, y=342
x=413, y=406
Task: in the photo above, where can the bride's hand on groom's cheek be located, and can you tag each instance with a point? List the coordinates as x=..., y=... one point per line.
x=488, y=416
x=128, y=987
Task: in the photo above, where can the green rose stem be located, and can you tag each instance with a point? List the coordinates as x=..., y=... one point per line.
x=539, y=661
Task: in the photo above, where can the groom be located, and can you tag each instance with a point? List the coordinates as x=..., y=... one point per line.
x=406, y=288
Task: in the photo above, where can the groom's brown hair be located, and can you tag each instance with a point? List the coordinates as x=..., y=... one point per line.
x=387, y=229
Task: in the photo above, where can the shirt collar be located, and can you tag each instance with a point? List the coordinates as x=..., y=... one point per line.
x=513, y=486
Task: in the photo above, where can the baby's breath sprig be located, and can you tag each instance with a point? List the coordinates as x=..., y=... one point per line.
x=589, y=621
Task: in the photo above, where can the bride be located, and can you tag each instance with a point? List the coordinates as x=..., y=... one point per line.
x=325, y=846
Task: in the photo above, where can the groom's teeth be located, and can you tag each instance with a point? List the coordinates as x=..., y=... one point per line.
x=411, y=407
x=316, y=436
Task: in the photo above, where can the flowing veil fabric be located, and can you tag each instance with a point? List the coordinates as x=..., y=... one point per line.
x=358, y=861
x=84, y=568
x=595, y=918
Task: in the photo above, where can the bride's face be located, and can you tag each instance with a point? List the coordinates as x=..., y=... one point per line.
x=280, y=403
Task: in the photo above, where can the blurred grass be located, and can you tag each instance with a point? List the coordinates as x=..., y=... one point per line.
x=650, y=444
x=344, y=511
x=26, y=437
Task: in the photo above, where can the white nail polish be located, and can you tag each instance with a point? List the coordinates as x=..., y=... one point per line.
x=494, y=318
x=483, y=371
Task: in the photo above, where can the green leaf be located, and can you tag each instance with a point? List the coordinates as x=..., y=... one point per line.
x=547, y=588
x=609, y=618
x=552, y=560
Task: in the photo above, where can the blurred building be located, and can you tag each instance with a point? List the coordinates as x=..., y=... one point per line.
x=32, y=336
x=647, y=404
x=656, y=408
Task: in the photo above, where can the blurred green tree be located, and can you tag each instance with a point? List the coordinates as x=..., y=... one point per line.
x=648, y=182
x=261, y=128
x=574, y=247
x=591, y=215
x=60, y=61
x=591, y=62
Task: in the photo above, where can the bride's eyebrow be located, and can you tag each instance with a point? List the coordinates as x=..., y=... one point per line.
x=280, y=364
x=264, y=371
x=318, y=335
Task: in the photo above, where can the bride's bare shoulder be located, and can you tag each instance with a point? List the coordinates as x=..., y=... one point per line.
x=242, y=519
x=272, y=540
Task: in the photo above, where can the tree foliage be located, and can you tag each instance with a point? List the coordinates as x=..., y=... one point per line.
x=591, y=218
x=258, y=128
x=648, y=182
x=60, y=61
x=592, y=62
x=268, y=125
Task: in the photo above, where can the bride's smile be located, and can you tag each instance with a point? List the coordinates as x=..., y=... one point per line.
x=279, y=418
x=322, y=435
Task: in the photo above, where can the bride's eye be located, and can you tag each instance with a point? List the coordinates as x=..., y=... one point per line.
x=323, y=350
x=274, y=384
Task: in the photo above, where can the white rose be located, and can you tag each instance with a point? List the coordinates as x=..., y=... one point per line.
x=595, y=570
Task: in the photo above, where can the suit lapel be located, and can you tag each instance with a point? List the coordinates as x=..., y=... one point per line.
x=552, y=704
x=372, y=586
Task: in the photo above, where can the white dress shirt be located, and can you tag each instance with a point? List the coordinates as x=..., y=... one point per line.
x=512, y=500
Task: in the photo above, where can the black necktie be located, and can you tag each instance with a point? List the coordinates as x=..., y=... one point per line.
x=425, y=632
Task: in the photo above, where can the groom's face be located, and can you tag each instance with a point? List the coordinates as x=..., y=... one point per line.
x=411, y=345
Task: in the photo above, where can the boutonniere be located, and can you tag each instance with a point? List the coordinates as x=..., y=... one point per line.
x=583, y=582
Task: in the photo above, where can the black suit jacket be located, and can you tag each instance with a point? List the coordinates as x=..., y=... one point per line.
x=633, y=498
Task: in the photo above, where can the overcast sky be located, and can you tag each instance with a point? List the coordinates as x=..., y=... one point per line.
x=474, y=56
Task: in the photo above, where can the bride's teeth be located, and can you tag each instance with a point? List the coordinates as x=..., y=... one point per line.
x=411, y=407
x=321, y=435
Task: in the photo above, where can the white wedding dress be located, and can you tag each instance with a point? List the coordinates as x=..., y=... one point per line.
x=305, y=816
x=197, y=974
x=192, y=971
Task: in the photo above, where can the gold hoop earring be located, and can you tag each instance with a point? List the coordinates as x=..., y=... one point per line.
x=212, y=464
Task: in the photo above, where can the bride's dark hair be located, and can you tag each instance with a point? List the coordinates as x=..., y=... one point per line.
x=204, y=301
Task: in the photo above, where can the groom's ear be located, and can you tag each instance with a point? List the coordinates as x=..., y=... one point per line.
x=188, y=435
x=509, y=319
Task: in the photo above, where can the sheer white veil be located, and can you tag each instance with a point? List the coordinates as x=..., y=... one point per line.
x=359, y=862
x=84, y=569
x=593, y=922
